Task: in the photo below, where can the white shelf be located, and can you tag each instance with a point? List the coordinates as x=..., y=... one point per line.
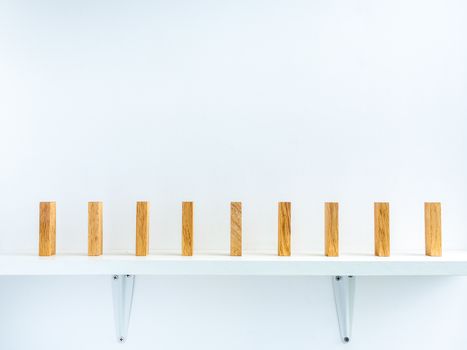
x=124, y=269
x=454, y=263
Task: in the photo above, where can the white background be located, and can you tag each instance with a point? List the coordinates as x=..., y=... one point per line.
x=213, y=101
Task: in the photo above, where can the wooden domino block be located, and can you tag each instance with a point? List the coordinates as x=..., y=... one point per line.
x=142, y=228
x=382, y=243
x=331, y=229
x=95, y=228
x=187, y=228
x=433, y=229
x=236, y=228
x=284, y=230
x=47, y=228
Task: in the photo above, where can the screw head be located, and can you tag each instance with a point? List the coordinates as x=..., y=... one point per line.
x=121, y=339
x=338, y=278
x=346, y=339
x=115, y=277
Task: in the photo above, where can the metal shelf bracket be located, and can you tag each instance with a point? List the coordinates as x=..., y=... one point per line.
x=344, y=289
x=122, y=291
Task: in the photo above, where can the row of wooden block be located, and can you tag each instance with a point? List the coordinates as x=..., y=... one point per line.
x=47, y=228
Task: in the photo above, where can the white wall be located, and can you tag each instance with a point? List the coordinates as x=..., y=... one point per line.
x=213, y=101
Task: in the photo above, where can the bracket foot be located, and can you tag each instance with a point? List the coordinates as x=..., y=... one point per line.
x=122, y=291
x=344, y=289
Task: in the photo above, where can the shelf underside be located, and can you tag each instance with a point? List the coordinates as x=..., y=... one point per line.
x=257, y=264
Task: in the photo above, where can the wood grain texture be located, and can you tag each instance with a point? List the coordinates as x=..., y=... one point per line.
x=331, y=229
x=95, y=228
x=382, y=242
x=284, y=228
x=142, y=228
x=47, y=228
x=433, y=229
x=236, y=229
x=187, y=228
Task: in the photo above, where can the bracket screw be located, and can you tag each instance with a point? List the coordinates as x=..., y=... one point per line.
x=115, y=277
x=338, y=278
x=121, y=339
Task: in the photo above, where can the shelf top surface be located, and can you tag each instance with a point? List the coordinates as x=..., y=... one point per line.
x=452, y=263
